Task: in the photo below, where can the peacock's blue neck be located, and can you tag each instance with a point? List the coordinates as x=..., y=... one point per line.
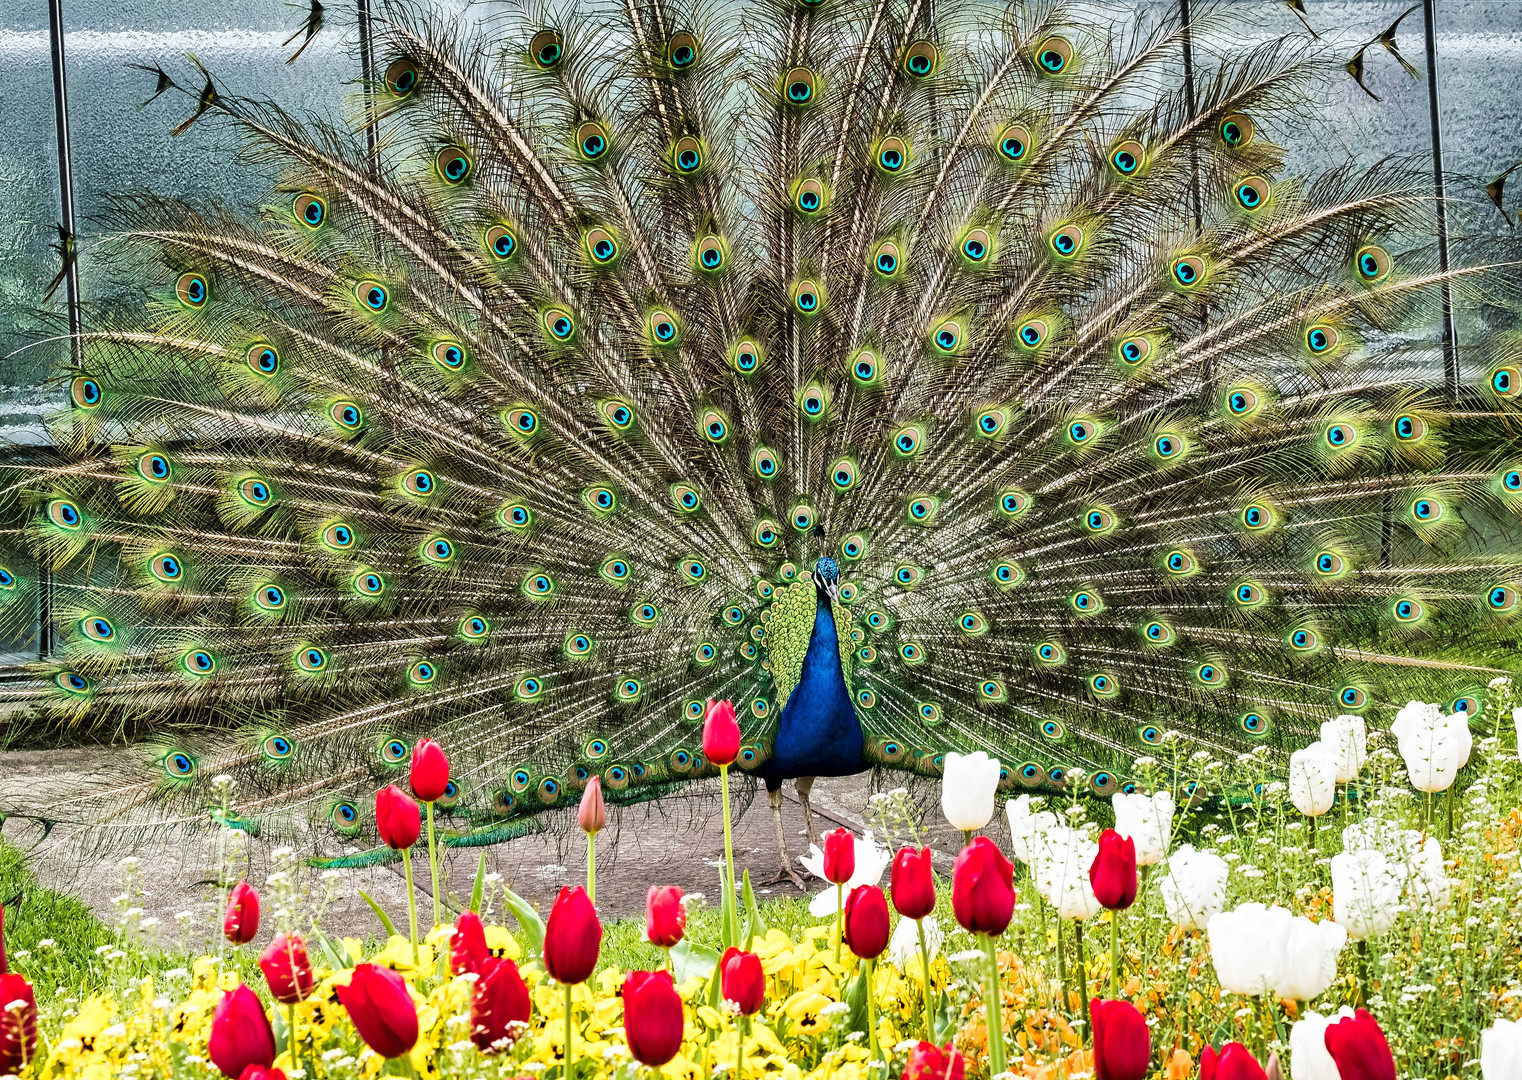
x=818, y=734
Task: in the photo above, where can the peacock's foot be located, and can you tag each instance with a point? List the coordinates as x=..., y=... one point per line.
x=786, y=873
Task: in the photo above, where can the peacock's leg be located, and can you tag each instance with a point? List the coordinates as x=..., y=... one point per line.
x=804, y=785
x=785, y=871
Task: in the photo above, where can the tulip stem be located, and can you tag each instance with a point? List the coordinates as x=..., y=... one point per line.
x=569, y=1028
x=1083, y=975
x=1448, y=832
x=732, y=928
x=839, y=924
x=919, y=925
x=967, y=837
x=1062, y=966
x=291, y=1035
x=433, y=869
x=993, y=1007
x=592, y=867
x=411, y=900
x=872, y=1014
x=1115, y=953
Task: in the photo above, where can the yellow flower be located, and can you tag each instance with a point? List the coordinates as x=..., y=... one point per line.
x=500, y=942
x=397, y=955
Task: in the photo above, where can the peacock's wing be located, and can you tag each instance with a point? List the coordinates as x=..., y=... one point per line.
x=518, y=431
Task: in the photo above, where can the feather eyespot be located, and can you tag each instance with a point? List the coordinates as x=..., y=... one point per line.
x=515, y=515
x=853, y=547
x=1329, y=564
x=199, y=662
x=1054, y=55
x=437, y=549
x=1304, y=640
x=97, y=628
x=1032, y=334
x=255, y=491
x=270, y=597
x=1408, y=610
x=800, y=87
x=1340, y=436
x=1097, y=521
x=546, y=49
x=619, y=414
x=687, y=155
x=559, y=323
x=745, y=356
x=309, y=210
x=372, y=296
x=645, y=614
x=1501, y=598
x=1084, y=602
x=686, y=498
x=85, y=393
x=930, y=713
x=262, y=360
x=419, y=482
x=454, y=165
x=887, y=260
x=347, y=415
x=1254, y=723
x=992, y=690
x=921, y=59
x=813, y=402
x=449, y=355
x=946, y=338
x=1128, y=157
x=892, y=155
x=1409, y=429
x=179, y=765
x=528, y=688
x=501, y=242
x=1013, y=142
x=278, y=747
x=1006, y=575
x=692, y=570
x=591, y=141
x=311, y=659
x=1102, y=684
x=1169, y=446
x=908, y=441
x=422, y=673
x=801, y=517
x=537, y=586
x=1012, y=503
x=1133, y=351
x=1353, y=697
x=166, y=568
x=711, y=254
x=1258, y=516
x=921, y=509
x=1188, y=271
x=866, y=368
x=764, y=463
x=1321, y=339
x=1242, y=402
x=1180, y=562
x=809, y=197
x=1236, y=130
x=1066, y=241
x=368, y=583
x=474, y=627
x=191, y=290
x=807, y=297
x=682, y=51
x=843, y=474
x=1373, y=264
x=1467, y=705
x=1157, y=632
x=714, y=426
x=154, y=468
x=908, y=575
x=402, y=78
x=1506, y=381
x=1248, y=594
x=1252, y=194
x=1050, y=654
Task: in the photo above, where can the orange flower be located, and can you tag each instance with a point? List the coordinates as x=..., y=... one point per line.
x=1179, y=1066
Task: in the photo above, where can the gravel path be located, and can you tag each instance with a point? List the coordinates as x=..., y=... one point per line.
x=678, y=840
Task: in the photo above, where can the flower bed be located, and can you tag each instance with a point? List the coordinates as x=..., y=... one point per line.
x=1235, y=924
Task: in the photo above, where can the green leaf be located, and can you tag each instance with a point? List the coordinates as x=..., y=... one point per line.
x=754, y=926
x=528, y=919
x=338, y=959
x=479, y=888
x=856, y=997
x=379, y=913
x=689, y=961
x=726, y=911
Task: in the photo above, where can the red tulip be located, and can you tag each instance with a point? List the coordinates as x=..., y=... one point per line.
x=866, y=922
x=742, y=980
x=430, y=771
x=262, y=1072
x=913, y=883
x=983, y=888
x=839, y=856
x=18, y=1023
x=240, y=1033
x=572, y=937
x=397, y=818
x=665, y=915
x=467, y=948
x=1113, y=871
x=1235, y=1062
x=928, y=1061
x=380, y=1008
x=1122, y=1041
x=499, y=1000
x=592, y=815
x=287, y=969
x=1359, y=1048
x=1208, y=1062
x=721, y=733
x=241, y=922
x=653, y=1019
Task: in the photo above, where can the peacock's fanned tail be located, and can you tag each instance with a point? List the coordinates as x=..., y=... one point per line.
x=518, y=433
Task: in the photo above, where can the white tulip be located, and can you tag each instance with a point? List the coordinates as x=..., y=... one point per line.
x=1348, y=741
x=1366, y=888
x=967, y=790
x=1062, y=873
x=871, y=860
x=1415, y=859
x=1248, y=947
x=1308, y=1056
x=1501, y=1051
x=1148, y=821
x=1027, y=830
x=1313, y=779
x=904, y=945
x=1433, y=746
x=1194, y=888
x=1310, y=959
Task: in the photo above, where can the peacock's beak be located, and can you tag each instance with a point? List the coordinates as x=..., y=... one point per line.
x=833, y=588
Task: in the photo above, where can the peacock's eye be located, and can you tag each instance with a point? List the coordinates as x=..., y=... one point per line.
x=546, y=49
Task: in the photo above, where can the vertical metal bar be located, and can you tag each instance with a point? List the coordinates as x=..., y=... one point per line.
x=71, y=278
x=367, y=64
x=1450, y=339
x=1190, y=103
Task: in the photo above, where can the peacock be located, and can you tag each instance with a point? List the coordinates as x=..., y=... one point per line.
x=920, y=377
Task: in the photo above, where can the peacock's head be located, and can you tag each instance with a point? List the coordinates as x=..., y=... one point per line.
x=827, y=576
